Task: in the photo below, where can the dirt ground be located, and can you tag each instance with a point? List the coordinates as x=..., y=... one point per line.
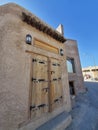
x=85, y=110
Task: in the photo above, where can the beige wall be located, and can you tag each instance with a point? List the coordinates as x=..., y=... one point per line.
x=77, y=78
x=15, y=64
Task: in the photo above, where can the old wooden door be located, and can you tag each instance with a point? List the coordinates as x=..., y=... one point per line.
x=40, y=87
x=55, y=84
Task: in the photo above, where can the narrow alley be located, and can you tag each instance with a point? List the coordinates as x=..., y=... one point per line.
x=85, y=111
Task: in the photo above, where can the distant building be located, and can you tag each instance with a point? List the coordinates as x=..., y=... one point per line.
x=34, y=81
x=90, y=73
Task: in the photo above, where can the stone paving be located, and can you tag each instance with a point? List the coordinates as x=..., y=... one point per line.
x=85, y=111
x=50, y=125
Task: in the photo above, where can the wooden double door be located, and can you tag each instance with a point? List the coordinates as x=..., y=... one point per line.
x=46, y=86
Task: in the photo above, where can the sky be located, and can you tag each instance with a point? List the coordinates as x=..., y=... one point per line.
x=79, y=18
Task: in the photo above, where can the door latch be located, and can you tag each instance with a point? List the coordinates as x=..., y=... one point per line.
x=32, y=107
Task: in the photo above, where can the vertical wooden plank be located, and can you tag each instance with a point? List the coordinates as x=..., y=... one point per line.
x=30, y=86
x=33, y=87
x=52, y=85
x=49, y=84
x=56, y=84
x=40, y=83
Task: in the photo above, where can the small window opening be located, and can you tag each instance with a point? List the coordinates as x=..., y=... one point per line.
x=71, y=87
x=70, y=65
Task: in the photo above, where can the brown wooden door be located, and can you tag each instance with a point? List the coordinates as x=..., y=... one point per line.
x=55, y=84
x=40, y=88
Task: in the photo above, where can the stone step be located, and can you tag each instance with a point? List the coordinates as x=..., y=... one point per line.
x=59, y=122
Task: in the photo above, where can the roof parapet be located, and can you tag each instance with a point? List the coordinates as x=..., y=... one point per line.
x=38, y=24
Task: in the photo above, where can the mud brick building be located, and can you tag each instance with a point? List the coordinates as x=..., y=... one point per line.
x=34, y=85
x=75, y=77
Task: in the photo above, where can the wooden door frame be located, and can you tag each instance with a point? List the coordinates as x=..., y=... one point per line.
x=30, y=86
x=49, y=82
